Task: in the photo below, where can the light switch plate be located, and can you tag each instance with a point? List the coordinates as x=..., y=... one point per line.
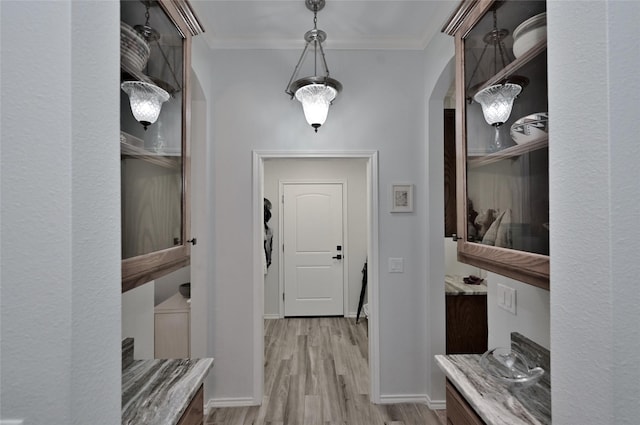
x=507, y=298
x=396, y=265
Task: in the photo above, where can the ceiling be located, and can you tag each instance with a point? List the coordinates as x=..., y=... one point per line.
x=349, y=24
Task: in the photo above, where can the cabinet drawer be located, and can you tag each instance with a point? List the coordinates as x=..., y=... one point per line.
x=195, y=412
x=458, y=410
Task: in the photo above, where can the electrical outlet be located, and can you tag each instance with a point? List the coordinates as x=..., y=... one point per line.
x=507, y=298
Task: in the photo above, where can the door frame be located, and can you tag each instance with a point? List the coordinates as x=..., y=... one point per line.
x=345, y=242
x=258, y=158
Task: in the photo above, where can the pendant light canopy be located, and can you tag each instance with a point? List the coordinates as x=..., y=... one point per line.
x=316, y=93
x=146, y=100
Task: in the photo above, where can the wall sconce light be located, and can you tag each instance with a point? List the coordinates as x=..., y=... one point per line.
x=316, y=93
x=146, y=100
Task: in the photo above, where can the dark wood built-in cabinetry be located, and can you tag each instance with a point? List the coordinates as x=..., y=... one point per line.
x=194, y=415
x=502, y=176
x=458, y=410
x=155, y=47
x=466, y=321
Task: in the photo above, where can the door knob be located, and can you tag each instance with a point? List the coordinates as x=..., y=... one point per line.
x=337, y=257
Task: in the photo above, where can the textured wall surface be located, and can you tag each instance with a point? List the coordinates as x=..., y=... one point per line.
x=60, y=182
x=593, y=92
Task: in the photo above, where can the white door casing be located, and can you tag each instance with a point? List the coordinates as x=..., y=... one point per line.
x=313, y=237
x=373, y=287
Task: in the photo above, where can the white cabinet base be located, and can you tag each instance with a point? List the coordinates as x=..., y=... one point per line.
x=173, y=328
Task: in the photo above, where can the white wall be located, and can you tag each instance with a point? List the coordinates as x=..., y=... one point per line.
x=60, y=218
x=531, y=319
x=203, y=259
x=249, y=111
x=451, y=264
x=168, y=285
x=353, y=171
x=138, y=320
x=594, y=198
x=439, y=76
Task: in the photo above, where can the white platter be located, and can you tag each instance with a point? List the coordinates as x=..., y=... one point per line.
x=530, y=128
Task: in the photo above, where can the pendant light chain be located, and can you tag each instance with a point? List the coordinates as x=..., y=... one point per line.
x=315, y=41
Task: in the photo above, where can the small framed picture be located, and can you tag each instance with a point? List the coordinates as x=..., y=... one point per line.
x=402, y=197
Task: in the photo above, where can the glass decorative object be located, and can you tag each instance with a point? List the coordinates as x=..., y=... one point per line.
x=146, y=100
x=315, y=99
x=497, y=101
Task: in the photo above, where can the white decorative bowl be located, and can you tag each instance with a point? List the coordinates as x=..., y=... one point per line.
x=530, y=128
x=529, y=33
x=134, y=50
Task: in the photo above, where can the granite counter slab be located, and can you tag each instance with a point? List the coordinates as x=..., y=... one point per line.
x=491, y=399
x=454, y=285
x=157, y=392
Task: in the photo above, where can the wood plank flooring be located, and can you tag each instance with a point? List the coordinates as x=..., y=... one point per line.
x=317, y=373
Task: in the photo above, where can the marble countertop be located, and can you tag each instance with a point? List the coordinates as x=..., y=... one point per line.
x=491, y=399
x=454, y=285
x=157, y=392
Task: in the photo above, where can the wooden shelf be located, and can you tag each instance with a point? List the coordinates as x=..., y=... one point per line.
x=129, y=150
x=512, y=152
x=137, y=75
x=518, y=63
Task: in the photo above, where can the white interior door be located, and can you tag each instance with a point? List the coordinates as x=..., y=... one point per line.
x=313, y=250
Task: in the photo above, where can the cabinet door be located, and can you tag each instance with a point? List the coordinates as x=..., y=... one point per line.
x=171, y=335
x=458, y=410
x=502, y=169
x=155, y=161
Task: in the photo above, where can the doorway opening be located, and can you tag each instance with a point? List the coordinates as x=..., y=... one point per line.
x=370, y=251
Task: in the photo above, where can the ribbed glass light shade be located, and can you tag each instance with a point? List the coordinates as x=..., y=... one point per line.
x=315, y=99
x=497, y=102
x=145, y=99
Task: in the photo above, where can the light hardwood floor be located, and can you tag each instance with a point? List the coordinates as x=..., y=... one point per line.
x=317, y=373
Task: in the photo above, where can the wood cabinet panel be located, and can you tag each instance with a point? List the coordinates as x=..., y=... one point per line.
x=466, y=321
x=450, y=203
x=194, y=415
x=494, y=173
x=458, y=410
x=155, y=201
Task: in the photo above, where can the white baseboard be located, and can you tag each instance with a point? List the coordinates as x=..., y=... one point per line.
x=271, y=316
x=229, y=402
x=436, y=404
x=413, y=398
x=403, y=398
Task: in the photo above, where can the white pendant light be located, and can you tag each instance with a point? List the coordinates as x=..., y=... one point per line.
x=315, y=99
x=146, y=100
x=316, y=93
x=497, y=101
